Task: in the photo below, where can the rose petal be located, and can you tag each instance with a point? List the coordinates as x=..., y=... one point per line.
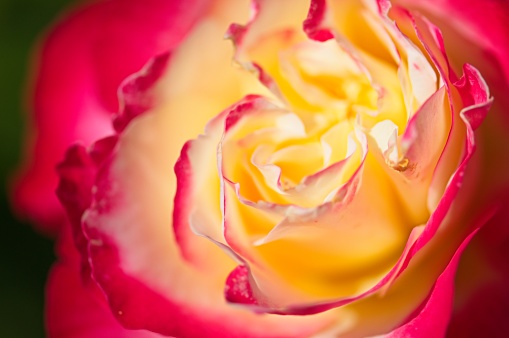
x=76, y=308
x=483, y=22
x=434, y=316
x=77, y=175
x=315, y=25
x=76, y=85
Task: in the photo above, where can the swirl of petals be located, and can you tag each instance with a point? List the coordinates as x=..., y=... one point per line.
x=417, y=163
x=121, y=212
x=399, y=171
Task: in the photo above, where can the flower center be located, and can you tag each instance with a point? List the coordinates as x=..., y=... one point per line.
x=297, y=164
x=330, y=79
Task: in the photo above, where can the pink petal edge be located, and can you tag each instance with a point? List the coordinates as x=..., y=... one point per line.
x=75, y=86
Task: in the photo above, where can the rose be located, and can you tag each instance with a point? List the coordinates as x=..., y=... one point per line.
x=119, y=254
x=78, y=232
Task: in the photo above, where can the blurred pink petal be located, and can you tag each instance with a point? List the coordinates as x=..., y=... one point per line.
x=79, y=67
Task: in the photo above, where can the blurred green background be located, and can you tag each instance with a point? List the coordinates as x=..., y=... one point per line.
x=25, y=256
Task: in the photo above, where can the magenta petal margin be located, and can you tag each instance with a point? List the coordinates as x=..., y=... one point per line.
x=75, y=89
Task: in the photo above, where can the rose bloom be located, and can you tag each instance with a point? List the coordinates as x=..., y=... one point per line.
x=273, y=168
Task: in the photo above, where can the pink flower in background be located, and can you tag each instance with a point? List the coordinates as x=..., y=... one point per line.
x=330, y=169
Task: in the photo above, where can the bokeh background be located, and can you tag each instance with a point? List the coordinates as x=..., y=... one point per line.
x=25, y=256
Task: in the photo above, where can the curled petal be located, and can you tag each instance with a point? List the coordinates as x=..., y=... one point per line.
x=433, y=317
x=76, y=308
x=314, y=23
